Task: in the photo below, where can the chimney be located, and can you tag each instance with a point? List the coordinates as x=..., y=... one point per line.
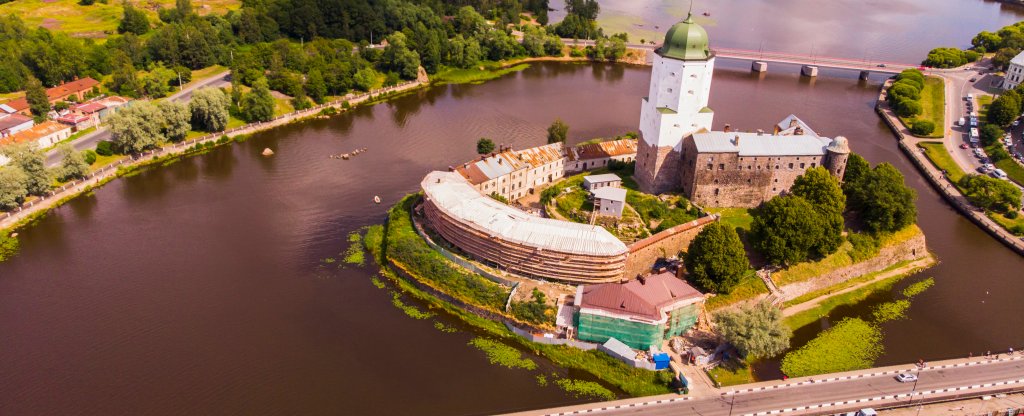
x=728, y=128
x=736, y=141
x=793, y=122
x=799, y=131
x=451, y=169
x=499, y=160
x=760, y=132
x=642, y=280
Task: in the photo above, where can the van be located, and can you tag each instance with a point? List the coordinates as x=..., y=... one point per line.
x=970, y=97
x=974, y=133
x=960, y=122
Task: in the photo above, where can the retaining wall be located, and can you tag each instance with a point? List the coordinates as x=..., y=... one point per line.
x=643, y=253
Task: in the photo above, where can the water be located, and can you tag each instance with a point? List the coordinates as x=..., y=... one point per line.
x=899, y=30
x=199, y=287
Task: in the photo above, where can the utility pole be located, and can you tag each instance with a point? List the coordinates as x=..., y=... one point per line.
x=180, y=86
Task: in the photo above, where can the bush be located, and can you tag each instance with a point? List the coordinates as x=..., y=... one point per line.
x=864, y=246
x=90, y=156
x=906, y=107
x=105, y=148
x=990, y=134
x=535, y=311
x=922, y=127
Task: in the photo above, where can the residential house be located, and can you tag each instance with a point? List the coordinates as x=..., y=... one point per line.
x=641, y=313
x=594, y=182
x=609, y=201
x=76, y=89
x=13, y=123
x=43, y=135
x=514, y=174
x=597, y=155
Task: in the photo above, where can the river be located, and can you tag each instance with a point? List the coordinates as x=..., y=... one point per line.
x=201, y=287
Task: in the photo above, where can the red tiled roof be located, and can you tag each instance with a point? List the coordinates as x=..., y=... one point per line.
x=72, y=118
x=89, y=108
x=644, y=300
x=18, y=104
x=33, y=134
x=62, y=90
x=604, y=149
x=13, y=120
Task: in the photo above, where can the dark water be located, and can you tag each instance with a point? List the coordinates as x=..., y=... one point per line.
x=877, y=30
x=198, y=288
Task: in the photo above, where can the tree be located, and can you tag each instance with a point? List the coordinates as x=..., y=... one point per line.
x=300, y=101
x=72, y=163
x=1004, y=109
x=399, y=58
x=558, y=131
x=484, y=146
x=856, y=169
x=904, y=89
x=822, y=190
x=124, y=79
x=13, y=187
x=157, y=82
x=945, y=58
x=882, y=200
x=32, y=161
x=136, y=128
x=38, y=102
x=990, y=134
x=174, y=120
x=209, y=109
x=133, y=21
x=316, y=88
x=922, y=127
x=991, y=193
x=716, y=259
x=907, y=107
x=781, y=229
x=757, y=331
x=258, y=104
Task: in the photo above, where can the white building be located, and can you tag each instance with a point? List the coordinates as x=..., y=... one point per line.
x=594, y=182
x=1015, y=73
x=609, y=201
x=676, y=105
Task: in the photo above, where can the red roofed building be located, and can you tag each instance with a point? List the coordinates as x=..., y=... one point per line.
x=13, y=123
x=77, y=88
x=44, y=135
x=78, y=122
x=641, y=313
x=597, y=155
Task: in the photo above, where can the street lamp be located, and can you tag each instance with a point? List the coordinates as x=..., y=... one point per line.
x=916, y=378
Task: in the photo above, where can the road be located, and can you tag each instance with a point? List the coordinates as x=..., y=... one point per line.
x=958, y=85
x=799, y=394
x=89, y=141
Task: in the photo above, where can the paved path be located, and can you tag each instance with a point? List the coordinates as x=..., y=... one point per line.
x=88, y=141
x=916, y=264
x=829, y=394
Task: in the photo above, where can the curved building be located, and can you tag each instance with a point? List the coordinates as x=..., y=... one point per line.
x=515, y=241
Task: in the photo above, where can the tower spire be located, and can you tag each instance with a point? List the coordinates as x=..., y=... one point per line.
x=689, y=13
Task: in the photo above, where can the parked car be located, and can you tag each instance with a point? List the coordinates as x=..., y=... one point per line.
x=881, y=65
x=974, y=79
x=964, y=146
x=982, y=169
x=984, y=160
x=998, y=174
x=1015, y=123
x=906, y=377
x=989, y=166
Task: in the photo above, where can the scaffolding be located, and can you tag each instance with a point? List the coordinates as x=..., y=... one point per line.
x=638, y=335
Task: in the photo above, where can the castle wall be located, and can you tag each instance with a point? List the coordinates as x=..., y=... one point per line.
x=657, y=168
x=643, y=253
x=730, y=180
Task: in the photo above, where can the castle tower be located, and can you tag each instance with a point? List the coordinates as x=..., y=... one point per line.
x=676, y=105
x=836, y=154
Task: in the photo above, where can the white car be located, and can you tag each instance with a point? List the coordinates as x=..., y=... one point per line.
x=906, y=378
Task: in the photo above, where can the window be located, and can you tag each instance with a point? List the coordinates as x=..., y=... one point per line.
x=669, y=90
x=716, y=191
x=801, y=166
x=776, y=166
x=710, y=166
x=814, y=165
x=791, y=166
x=721, y=166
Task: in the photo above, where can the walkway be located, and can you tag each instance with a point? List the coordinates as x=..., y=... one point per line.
x=56, y=196
x=811, y=304
x=831, y=393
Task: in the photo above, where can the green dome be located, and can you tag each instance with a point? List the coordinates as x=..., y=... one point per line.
x=687, y=41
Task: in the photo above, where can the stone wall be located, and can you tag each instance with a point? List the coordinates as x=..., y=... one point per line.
x=657, y=168
x=643, y=253
x=912, y=249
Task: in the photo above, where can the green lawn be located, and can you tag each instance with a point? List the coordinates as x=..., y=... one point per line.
x=933, y=106
x=826, y=306
x=1013, y=170
x=485, y=71
x=732, y=373
x=983, y=102
x=1015, y=226
x=97, y=20
x=750, y=287
x=734, y=217
x=841, y=258
x=940, y=157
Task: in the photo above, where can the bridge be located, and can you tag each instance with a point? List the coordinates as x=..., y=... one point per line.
x=829, y=394
x=809, y=63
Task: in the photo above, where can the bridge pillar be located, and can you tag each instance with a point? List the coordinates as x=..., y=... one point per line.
x=864, y=75
x=809, y=71
x=759, y=66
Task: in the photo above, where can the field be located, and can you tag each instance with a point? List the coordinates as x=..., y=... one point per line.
x=933, y=106
x=1013, y=170
x=940, y=157
x=735, y=217
x=97, y=20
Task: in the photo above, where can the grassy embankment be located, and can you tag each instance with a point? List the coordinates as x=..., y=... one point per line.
x=399, y=244
x=940, y=157
x=96, y=20
x=484, y=71
x=933, y=106
x=853, y=250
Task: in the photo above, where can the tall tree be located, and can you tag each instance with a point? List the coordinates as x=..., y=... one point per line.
x=991, y=193
x=13, y=187
x=558, y=131
x=757, y=331
x=484, y=146
x=258, y=104
x=822, y=190
x=716, y=259
x=38, y=102
x=174, y=120
x=315, y=86
x=133, y=20
x=137, y=128
x=32, y=161
x=210, y=109
x=72, y=163
x=883, y=201
x=782, y=229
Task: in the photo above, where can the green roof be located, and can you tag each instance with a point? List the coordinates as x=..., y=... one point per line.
x=666, y=110
x=686, y=41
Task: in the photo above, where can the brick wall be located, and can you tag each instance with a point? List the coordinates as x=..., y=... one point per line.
x=643, y=253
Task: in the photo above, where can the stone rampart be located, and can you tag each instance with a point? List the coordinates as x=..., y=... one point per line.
x=643, y=253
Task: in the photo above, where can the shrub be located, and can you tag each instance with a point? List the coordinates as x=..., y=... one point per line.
x=922, y=127
x=105, y=148
x=990, y=134
x=864, y=246
x=90, y=156
x=906, y=107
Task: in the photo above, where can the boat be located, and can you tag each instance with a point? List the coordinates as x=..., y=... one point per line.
x=344, y=156
x=267, y=152
x=707, y=14
x=376, y=199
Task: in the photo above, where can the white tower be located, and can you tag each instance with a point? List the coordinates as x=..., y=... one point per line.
x=676, y=105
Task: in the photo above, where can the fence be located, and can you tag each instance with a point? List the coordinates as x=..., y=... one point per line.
x=69, y=189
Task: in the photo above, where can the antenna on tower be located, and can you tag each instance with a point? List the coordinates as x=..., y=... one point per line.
x=690, y=12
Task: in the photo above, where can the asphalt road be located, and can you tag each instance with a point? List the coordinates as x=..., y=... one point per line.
x=89, y=141
x=828, y=392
